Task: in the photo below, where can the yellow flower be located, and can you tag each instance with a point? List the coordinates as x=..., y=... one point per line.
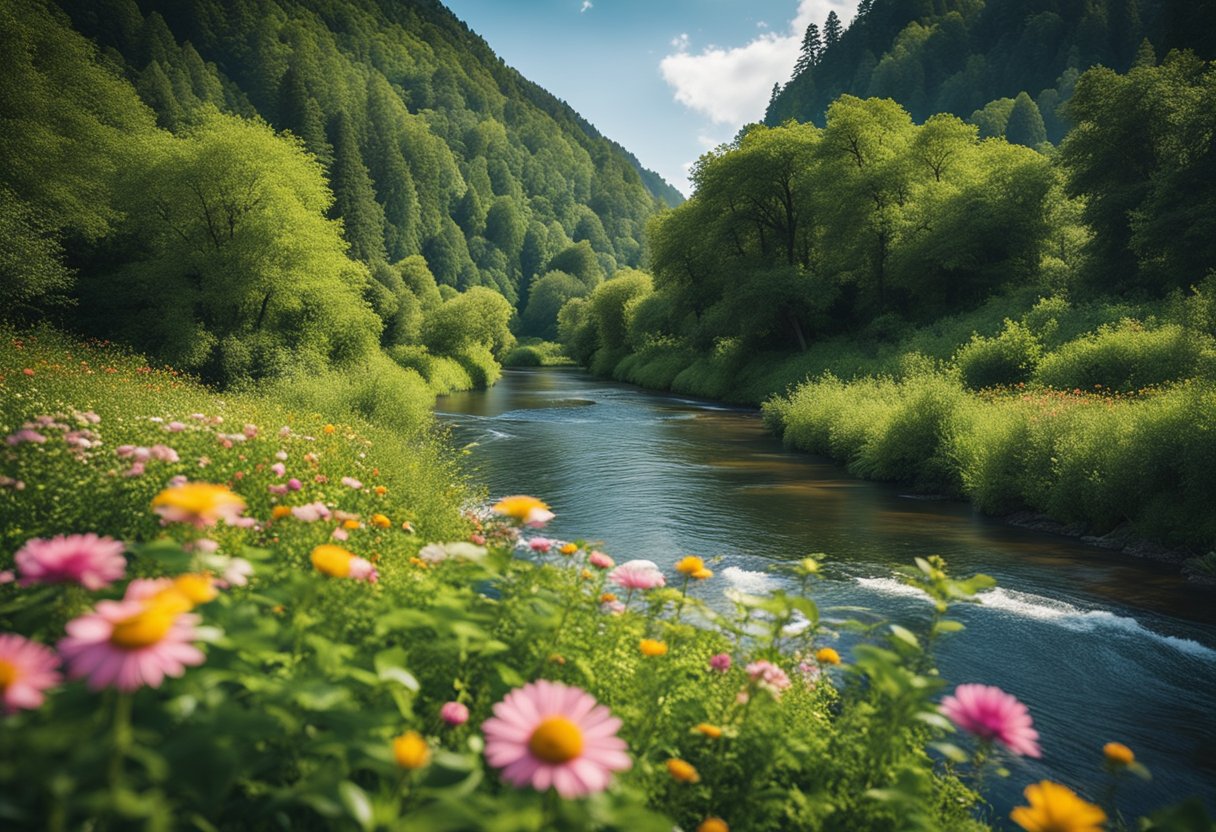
x=826, y=655
x=380, y=490
x=419, y=562
x=690, y=565
x=523, y=509
x=351, y=524
x=147, y=627
x=568, y=548
x=380, y=521
x=607, y=598
x=1056, y=808
x=651, y=647
x=557, y=658
x=329, y=428
x=1118, y=754
x=711, y=731
x=682, y=771
x=713, y=825
x=199, y=503
x=332, y=560
x=411, y=751
x=280, y=512
x=407, y=526
x=702, y=574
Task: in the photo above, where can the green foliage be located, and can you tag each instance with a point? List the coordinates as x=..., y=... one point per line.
x=1139, y=157
x=1003, y=361
x=533, y=352
x=546, y=296
x=578, y=260
x=233, y=249
x=479, y=316
x=1129, y=357
x=442, y=374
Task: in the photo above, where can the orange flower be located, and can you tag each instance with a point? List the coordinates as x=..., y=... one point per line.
x=329, y=429
x=826, y=655
x=568, y=548
x=651, y=647
x=1118, y=754
x=683, y=772
x=713, y=825
x=380, y=490
x=280, y=512
x=607, y=598
x=380, y=521
x=351, y=524
x=410, y=750
x=711, y=731
x=1056, y=808
x=689, y=565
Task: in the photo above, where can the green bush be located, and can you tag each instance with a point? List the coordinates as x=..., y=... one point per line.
x=1003, y=361
x=1127, y=357
x=479, y=363
x=443, y=375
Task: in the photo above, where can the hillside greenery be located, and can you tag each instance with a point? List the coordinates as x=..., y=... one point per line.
x=1007, y=66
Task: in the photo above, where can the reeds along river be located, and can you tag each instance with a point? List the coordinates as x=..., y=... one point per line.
x=1102, y=647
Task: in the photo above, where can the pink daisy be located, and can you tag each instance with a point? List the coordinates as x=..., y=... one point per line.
x=546, y=734
x=637, y=574
x=991, y=714
x=600, y=561
x=27, y=669
x=129, y=643
x=540, y=544
x=720, y=662
x=85, y=559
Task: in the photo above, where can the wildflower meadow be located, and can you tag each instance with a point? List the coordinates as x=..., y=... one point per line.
x=219, y=614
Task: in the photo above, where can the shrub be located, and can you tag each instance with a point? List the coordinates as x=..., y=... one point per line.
x=1003, y=361
x=443, y=375
x=1127, y=357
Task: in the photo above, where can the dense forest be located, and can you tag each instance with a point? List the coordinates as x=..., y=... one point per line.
x=1006, y=66
x=249, y=189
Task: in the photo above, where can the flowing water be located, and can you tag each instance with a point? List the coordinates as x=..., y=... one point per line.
x=1099, y=645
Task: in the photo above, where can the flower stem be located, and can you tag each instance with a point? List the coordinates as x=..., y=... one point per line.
x=122, y=736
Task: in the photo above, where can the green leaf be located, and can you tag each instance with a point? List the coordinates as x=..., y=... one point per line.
x=906, y=636
x=356, y=803
x=947, y=625
x=390, y=666
x=950, y=751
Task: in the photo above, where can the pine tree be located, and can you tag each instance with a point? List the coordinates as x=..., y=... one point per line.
x=300, y=113
x=1025, y=125
x=354, y=199
x=811, y=47
x=1145, y=55
x=772, y=98
x=831, y=30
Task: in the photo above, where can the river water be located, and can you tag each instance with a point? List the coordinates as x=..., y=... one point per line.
x=1100, y=646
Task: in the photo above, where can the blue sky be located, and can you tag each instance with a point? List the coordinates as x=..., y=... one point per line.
x=668, y=79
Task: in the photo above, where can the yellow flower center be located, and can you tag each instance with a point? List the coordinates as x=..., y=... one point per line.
x=194, y=588
x=145, y=628
x=556, y=740
x=9, y=674
x=332, y=560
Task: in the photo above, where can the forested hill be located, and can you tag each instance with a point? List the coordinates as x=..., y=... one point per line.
x=1005, y=65
x=431, y=144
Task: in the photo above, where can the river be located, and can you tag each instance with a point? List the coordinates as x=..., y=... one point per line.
x=1100, y=646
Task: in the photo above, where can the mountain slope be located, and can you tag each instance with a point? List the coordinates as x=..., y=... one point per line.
x=973, y=58
x=432, y=145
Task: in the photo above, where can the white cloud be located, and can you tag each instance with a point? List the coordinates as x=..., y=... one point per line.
x=732, y=85
x=586, y=5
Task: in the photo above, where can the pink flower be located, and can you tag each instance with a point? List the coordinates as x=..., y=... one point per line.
x=991, y=714
x=136, y=470
x=546, y=734
x=311, y=512
x=340, y=534
x=768, y=676
x=351, y=482
x=85, y=559
x=600, y=561
x=163, y=453
x=277, y=489
x=613, y=607
x=25, y=435
x=175, y=427
x=540, y=544
x=362, y=570
x=27, y=669
x=251, y=431
x=294, y=484
x=454, y=713
x=130, y=643
x=278, y=469
x=637, y=574
x=284, y=431
x=720, y=662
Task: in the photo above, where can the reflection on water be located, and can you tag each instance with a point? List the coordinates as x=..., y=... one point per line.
x=1100, y=646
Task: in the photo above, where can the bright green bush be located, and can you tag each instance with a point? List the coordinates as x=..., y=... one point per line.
x=533, y=352
x=1127, y=357
x=479, y=363
x=443, y=375
x=1002, y=361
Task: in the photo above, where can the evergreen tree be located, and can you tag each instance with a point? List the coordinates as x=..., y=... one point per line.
x=832, y=30
x=773, y=95
x=300, y=113
x=354, y=200
x=1145, y=55
x=811, y=47
x=1025, y=124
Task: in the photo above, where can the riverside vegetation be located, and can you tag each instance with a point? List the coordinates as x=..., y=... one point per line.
x=225, y=613
x=1029, y=329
